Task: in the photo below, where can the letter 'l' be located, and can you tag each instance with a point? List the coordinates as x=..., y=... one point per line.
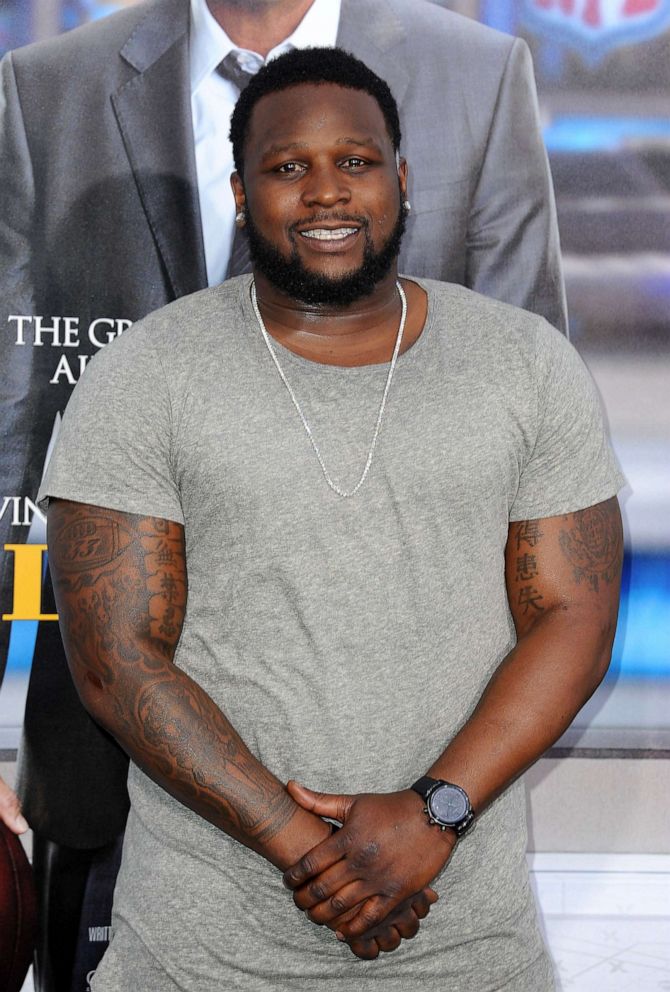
x=27, y=603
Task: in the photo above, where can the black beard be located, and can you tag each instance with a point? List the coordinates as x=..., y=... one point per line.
x=290, y=276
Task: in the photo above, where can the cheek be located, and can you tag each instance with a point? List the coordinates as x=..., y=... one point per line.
x=276, y=206
x=389, y=206
x=274, y=225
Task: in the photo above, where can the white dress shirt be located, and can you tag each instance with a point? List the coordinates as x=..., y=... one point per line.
x=212, y=102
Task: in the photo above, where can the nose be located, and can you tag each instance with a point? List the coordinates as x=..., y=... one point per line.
x=326, y=187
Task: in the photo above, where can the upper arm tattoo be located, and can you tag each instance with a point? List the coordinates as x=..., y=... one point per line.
x=126, y=573
x=547, y=559
x=121, y=588
x=527, y=536
x=592, y=543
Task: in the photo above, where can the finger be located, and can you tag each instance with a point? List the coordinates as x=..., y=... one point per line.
x=10, y=809
x=321, y=857
x=403, y=918
x=407, y=924
x=365, y=949
x=371, y=914
x=422, y=902
x=346, y=898
x=321, y=803
x=388, y=939
x=323, y=886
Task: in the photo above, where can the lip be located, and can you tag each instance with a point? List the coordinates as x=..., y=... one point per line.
x=317, y=238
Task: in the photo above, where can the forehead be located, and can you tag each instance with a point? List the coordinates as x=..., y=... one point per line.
x=315, y=114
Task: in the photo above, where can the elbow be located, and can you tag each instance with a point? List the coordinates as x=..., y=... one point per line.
x=94, y=696
x=601, y=655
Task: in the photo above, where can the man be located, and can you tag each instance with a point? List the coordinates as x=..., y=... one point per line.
x=115, y=163
x=393, y=506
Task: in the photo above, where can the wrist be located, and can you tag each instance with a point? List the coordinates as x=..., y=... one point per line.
x=447, y=806
x=303, y=832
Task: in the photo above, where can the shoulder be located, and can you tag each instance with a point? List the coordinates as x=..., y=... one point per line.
x=179, y=335
x=431, y=25
x=85, y=49
x=497, y=335
x=484, y=316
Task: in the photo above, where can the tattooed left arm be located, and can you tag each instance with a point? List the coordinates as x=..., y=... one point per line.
x=563, y=576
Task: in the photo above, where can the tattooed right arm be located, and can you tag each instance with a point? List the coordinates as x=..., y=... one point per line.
x=120, y=584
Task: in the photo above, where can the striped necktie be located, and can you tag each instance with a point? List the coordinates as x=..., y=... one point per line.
x=239, y=261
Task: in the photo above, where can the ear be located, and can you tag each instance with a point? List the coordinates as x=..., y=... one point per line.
x=403, y=173
x=238, y=192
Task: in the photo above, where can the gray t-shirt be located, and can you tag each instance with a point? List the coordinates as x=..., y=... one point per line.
x=347, y=640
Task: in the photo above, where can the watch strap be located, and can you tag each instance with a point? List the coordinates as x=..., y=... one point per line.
x=425, y=785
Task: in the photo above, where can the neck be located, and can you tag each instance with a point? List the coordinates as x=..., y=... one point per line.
x=361, y=333
x=326, y=319
x=256, y=24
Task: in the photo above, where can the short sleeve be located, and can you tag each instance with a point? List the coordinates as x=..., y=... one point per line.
x=114, y=445
x=571, y=464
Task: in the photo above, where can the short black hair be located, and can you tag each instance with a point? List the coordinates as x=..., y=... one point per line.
x=314, y=66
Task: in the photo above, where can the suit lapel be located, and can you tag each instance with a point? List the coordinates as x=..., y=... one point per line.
x=153, y=111
x=371, y=31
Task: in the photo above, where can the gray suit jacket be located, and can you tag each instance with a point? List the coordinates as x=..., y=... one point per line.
x=100, y=217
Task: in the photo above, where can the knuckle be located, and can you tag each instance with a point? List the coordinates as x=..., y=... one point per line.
x=393, y=888
x=305, y=866
x=338, y=904
x=369, y=917
x=345, y=839
x=318, y=891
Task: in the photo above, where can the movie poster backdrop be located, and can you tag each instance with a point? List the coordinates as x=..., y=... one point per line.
x=603, y=73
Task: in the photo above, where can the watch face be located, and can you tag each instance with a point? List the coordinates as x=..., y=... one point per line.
x=448, y=804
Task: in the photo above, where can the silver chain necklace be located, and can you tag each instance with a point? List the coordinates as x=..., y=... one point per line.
x=308, y=430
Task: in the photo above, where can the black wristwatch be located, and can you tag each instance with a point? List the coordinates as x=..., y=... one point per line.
x=447, y=805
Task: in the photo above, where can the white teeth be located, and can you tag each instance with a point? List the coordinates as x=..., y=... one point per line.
x=321, y=234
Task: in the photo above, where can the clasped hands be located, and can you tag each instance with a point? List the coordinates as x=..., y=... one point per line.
x=369, y=881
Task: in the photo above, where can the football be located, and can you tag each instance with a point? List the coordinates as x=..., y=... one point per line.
x=18, y=912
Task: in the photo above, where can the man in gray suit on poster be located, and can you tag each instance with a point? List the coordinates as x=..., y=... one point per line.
x=115, y=164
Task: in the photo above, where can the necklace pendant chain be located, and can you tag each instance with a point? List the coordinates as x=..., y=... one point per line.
x=308, y=430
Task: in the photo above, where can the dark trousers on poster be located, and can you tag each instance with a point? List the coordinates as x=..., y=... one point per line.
x=74, y=890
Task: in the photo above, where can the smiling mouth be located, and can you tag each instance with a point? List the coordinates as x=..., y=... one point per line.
x=324, y=234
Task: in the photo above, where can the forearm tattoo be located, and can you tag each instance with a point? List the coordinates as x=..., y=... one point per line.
x=120, y=584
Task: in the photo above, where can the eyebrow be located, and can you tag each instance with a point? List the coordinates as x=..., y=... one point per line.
x=361, y=142
x=280, y=149
x=294, y=146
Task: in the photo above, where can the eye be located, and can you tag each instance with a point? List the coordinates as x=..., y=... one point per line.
x=354, y=162
x=290, y=168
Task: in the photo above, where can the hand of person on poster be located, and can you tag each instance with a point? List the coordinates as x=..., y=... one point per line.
x=10, y=809
x=385, y=852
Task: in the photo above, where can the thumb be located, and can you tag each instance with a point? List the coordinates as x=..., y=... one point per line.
x=337, y=807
